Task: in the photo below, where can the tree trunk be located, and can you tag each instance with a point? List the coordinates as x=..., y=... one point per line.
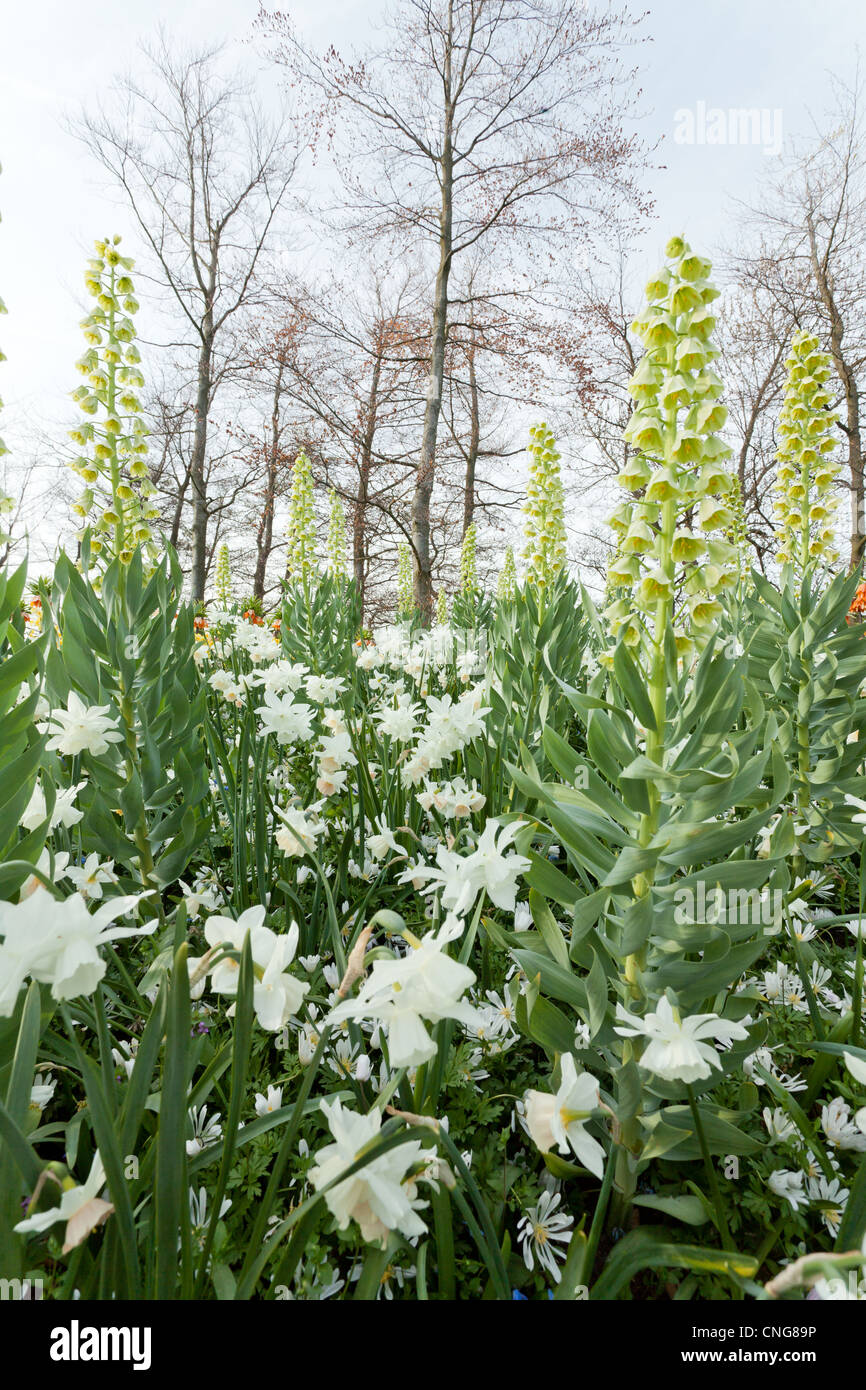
x=178, y=512
x=359, y=520
x=197, y=464
x=422, y=570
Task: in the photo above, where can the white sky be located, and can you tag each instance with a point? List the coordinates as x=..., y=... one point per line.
x=772, y=54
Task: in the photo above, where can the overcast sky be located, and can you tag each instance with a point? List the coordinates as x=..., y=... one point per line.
x=774, y=55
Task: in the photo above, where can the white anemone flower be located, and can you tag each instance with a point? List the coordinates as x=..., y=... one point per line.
x=789, y=1184
x=542, y=1230
x=267, y=1104
x=91, y=875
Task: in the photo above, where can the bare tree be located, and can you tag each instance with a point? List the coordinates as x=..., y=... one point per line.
x=205, y=173
x=352, y=386
x=494, y=121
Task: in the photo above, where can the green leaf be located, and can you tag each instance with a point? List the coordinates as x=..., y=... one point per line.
x=690, y=1210
x=651, y=1247
x=852, y=1228
x=631, y=683
x=551, y=932
x=596, y=994
x=171, y=1187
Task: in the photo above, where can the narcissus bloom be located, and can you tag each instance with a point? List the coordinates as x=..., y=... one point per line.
x=80, y=1207
x=297, y=835
x=65, y=812
x=56, y=942
x=291, y=720
x=228, y=932
x=81, y=728
x=278, y=995
x=488, y=868
x=425, y=984
x=559, y=1119
x=378, y=1197
x=677, y=1051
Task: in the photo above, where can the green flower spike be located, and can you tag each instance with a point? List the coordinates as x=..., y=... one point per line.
x=806, y=502
x=672, y=551
x=117, y=501
x=301, y=549
x=544, y=529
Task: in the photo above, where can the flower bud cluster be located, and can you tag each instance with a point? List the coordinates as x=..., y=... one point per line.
x=506, y=585
x=336, y=543
x=544, y=529
x=223, y=579
x=405, y=591
x=806, y=502
x=118, y=497
x=301, y=550
x=468, y=568
x=672, y=531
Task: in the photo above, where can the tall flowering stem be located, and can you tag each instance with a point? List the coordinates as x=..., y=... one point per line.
x=545, y=551
x=506, y=585
x=805, y=506
x=805, y=500
x=301, y=550
x=223, y=580
x=468, y=568
x=673, y=559
x=117, y=501
x=336, y=545
x=405, y=592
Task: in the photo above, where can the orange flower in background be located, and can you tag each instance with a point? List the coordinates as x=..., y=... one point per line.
x=858, y=604
x=199, y=624
x=252, y=617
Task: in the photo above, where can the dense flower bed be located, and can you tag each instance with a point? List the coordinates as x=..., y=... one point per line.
x=517, y=955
